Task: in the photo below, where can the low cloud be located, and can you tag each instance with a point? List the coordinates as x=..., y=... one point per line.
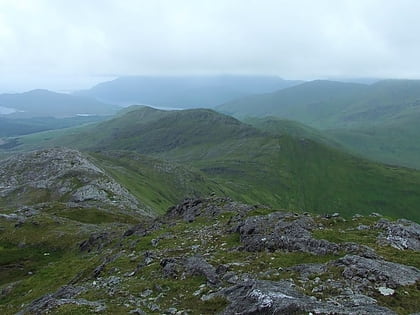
x=44, y=39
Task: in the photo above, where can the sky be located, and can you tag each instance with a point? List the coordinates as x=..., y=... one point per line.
x=67, y=45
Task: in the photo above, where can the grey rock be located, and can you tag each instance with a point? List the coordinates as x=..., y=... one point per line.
x=283, y=231
x=197, y=265
x=190, y=209
x=64, y=295
x=307, y=270
x=171, y=267
x=64, y=173
x=360, y=250
x=172, y=310
x=267, y=297
x=365, y=272
x=95, y=242
x=402, y=234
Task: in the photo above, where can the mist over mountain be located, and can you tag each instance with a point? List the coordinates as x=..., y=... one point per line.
x=184, y=91
x=44, y=103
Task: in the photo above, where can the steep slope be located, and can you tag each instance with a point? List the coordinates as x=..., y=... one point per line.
x=259, y=167
x=44, y=103
x=158, y=183
x=183, y=91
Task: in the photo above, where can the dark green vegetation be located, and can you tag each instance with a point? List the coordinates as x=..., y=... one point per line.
x=222, y=154
x=183, y=91
x=43, y=103
x=378, y=121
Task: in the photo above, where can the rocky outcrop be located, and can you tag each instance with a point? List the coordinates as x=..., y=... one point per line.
x=190, y=209
x=282, y=297
x=65, y=295
x=213, y=255
x=283, y=231
x=365, y=272
x=63, y=175
x=402, y=234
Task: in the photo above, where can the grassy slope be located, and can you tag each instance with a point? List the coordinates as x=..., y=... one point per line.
x=379, y=121
x=315, y=103
x=250, y=165
x=393, y=142
x=157, y=183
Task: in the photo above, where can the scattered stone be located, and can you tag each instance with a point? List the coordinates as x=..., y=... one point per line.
x=386, y=291
x=172, y=310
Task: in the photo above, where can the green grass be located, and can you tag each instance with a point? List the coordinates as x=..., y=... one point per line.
x=196, y=152
x=96, y=216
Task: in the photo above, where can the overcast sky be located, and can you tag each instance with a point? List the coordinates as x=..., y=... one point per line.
x=62, y=44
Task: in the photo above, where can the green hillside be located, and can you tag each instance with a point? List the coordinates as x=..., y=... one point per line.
x=255, y=166
x=280, y=127
x=316, y=103
x=378, y=121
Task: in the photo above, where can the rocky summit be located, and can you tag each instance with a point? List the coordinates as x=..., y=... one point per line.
x=61, y=175
x=217, y=256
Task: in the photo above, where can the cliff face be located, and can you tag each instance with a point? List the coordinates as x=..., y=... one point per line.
x=61, y=175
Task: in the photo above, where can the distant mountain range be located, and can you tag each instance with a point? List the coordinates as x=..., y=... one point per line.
x=44, y=103
x=379, y=121
x=183, y=91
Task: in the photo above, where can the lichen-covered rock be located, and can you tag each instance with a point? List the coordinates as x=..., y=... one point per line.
x=64, y=295
x=268, y=297
x=402, y=234
x=190, y=209
x=64, y=175
x=365, y=272
x=283, y=231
